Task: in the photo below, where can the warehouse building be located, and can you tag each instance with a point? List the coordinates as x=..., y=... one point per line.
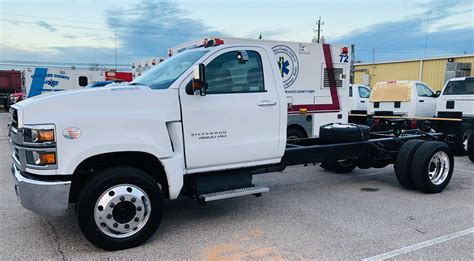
x=433, y=71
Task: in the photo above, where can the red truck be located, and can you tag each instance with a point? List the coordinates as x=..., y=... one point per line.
x=10, y=86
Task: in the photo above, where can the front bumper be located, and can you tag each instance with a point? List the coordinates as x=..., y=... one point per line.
x=47, y=198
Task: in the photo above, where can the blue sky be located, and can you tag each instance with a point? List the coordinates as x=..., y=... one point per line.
x=82, y=31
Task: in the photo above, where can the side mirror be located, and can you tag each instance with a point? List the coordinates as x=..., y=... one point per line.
x=438, y=93
x=199, y=81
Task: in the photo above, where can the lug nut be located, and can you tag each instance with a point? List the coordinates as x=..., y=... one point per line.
x=102, y=224
x=115, y=225
x=127, y=226
x=109, y=216
x=122, y=198
x=111, y=193
x=143, y=198
x=139, y=208
x=112, y=205
x=133, y=200
x=136, y=219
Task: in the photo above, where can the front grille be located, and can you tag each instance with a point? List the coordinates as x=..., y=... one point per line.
x=14, y=118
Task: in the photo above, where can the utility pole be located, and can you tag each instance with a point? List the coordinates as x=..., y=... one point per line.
x=427, y=28
x=115, y=32
x=373, y=55
x=319, y=23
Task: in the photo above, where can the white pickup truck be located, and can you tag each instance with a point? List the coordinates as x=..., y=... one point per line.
x=402, y=98
x=457, y=101
x=203, y=123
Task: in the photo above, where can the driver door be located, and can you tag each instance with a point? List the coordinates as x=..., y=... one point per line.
x=426, y=101
x=237, y=123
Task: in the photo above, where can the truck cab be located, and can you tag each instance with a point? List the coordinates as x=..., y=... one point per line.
x=313, y=100
x=403, y=99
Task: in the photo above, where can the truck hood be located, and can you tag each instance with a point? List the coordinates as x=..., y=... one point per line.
x=62, y=107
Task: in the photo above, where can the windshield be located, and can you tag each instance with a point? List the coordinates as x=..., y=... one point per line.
x=164, y=74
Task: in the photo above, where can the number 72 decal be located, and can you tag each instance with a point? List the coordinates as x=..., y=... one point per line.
x=343, y=58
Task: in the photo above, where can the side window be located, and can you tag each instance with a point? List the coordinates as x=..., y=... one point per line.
x=227, y=74
x=423, y=90
x=83, y=81
x=364, y=92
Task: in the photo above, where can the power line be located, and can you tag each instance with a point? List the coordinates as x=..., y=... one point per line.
x=98, y=29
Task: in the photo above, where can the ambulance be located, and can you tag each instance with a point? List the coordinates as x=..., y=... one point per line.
x=39, y=80
x=312, y=99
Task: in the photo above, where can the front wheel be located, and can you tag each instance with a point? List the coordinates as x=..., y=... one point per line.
x=119, y=208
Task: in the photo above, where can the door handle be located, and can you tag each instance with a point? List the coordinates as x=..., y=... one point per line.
x=267, y=103
x=422, y=100
x=362, y=101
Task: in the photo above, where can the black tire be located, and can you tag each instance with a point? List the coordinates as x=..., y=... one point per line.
x=468, y=133
x=295, y=134
x=422, y=164
x=403, y=163
x=461, y=136
x=470, y=148
x=99, y=184
x=341, y=133
x=338, y=167
x=326, y=166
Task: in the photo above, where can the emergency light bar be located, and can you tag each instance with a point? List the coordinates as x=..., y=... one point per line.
x=212, y=42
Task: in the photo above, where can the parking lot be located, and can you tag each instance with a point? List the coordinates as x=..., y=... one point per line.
x=308, y=214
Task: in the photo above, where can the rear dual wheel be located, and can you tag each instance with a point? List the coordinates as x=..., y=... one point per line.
x=424, y=165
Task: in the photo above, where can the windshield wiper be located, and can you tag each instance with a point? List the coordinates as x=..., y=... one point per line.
x=136, y=83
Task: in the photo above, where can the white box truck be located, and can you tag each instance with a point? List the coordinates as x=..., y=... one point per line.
x=312, y=99
x=204, y=122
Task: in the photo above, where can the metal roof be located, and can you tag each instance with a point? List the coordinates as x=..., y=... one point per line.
x=420, y=59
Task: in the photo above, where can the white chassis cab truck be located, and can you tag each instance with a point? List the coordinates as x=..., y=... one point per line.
x=303, y=70
x=203, y=123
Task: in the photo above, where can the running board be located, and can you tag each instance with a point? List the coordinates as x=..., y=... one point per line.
x=255, y=190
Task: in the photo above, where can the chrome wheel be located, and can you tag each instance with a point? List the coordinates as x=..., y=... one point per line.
x=439, y=167
x=122, y=211
x=465, y=141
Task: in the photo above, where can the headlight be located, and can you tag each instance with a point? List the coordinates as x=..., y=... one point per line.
x=44, y=158
x=39, y=135
x=13, y=98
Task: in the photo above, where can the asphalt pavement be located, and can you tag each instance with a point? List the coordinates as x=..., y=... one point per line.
x=309, y=213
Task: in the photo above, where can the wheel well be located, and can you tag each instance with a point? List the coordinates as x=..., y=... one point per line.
x=140, y=160
x=297, y=127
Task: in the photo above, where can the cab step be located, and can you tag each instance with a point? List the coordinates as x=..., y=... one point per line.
x=254, y=190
